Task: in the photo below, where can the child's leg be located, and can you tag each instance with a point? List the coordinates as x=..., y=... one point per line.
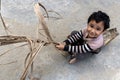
x=72, y=33
x=73, y=56
x=79, y=42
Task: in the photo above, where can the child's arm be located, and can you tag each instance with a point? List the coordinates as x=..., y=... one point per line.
x=78, y=48
x=74, y=38
x=86, y=47
x=75, y=49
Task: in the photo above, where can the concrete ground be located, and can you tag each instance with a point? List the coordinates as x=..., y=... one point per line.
x=50, y=64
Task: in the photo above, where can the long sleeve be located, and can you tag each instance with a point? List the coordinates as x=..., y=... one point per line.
x=74, y=38
x=88, y=46
x=78, y=48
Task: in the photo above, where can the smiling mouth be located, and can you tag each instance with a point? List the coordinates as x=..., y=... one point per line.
x=91, y=35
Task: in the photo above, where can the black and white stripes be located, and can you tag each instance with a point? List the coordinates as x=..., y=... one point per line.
x=74, y=38
x=76, y=48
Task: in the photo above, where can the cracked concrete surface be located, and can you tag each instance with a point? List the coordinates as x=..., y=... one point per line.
x=50, y=64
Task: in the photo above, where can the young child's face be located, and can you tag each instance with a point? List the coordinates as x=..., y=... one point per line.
x=95, y=29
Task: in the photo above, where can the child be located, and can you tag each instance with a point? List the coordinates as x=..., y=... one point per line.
x=87, y=40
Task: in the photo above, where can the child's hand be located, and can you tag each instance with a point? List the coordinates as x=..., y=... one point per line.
x=60, y=46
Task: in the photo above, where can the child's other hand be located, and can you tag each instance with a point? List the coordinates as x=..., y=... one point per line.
x=60, y=46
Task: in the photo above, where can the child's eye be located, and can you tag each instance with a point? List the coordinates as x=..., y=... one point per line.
x=98, y=29
x=91, y=26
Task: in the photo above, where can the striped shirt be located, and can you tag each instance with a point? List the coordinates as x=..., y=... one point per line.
x=90, y=44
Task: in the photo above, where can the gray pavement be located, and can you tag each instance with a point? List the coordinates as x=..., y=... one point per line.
x=49, y=63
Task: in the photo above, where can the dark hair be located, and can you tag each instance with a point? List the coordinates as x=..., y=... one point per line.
x=100, y=16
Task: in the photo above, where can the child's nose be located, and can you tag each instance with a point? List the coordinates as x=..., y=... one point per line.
x=92, y=30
